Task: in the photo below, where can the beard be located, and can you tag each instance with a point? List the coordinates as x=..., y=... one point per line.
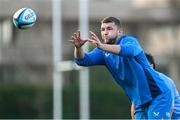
x=112, y=40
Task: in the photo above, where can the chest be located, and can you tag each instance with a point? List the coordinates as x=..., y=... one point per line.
x=113, y=61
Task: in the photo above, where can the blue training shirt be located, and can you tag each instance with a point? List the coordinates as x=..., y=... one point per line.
x=175, y=96
x=130, y=70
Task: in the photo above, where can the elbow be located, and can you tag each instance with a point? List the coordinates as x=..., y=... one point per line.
x=80, y=62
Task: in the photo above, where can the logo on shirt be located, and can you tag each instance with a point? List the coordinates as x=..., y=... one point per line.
x=168, y=114
x=107, y=54
x=178, y=98
x=156, y=114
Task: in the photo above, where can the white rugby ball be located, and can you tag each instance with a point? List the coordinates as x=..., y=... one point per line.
x=24, y=18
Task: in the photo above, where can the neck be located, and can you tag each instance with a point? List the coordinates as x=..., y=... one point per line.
x=114, y=40
x=117, y=38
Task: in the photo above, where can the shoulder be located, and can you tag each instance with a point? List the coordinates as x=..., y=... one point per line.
x=163, y=76
x=168, y=79
x=128, y=38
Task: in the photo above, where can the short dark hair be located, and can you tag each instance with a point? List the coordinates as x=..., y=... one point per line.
x=151, y=59
x=112, y=19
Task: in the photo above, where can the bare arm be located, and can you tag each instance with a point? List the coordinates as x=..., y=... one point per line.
x=110, y=48
x=132, y=111
x=106, y=47
x=78, y=43
x=78, y=53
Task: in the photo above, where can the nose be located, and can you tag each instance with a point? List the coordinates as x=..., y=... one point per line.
x=105, y=32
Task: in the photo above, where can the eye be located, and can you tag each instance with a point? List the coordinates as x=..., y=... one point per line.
x=109, y=28
x=102, y=29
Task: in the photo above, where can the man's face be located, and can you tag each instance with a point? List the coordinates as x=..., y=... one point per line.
x=109, y=32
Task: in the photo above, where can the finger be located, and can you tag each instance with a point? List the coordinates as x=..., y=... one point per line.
x=94, y=38
x=91, y=40
x=75, y=35
x=94, y=42
x=73, y=38
x=78, y=34
x=93, y=34
x=72, y=41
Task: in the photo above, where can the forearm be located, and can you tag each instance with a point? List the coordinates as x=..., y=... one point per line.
x=132, y=111
x=78, y=53
x=110, y=48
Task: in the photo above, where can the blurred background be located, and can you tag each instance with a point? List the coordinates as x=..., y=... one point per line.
x=26, y=56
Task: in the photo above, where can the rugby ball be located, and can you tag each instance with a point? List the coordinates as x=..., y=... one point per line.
x=24, y=18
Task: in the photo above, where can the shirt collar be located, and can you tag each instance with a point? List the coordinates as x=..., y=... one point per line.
x=118, y=41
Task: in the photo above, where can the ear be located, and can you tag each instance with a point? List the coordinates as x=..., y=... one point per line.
x=120, y=31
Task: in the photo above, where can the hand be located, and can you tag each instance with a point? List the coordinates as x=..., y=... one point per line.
x=77, y=40
x=94, y=39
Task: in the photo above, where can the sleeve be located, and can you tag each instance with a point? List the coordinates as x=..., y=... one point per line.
x=94, y=57
x=130, y=47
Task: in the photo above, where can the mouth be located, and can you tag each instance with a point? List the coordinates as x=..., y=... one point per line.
x=106, y=40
